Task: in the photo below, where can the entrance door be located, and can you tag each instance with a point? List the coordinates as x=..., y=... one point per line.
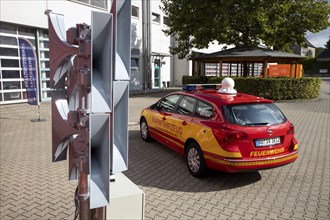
x=157, y=73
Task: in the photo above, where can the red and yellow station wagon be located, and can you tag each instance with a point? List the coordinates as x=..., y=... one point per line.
x=221, y=129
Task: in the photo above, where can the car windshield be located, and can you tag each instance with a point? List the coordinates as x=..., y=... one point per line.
x=253, y=114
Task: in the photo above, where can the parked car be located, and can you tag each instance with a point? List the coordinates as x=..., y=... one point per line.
x=221, y=129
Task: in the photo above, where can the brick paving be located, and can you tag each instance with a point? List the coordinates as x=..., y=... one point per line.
x=32, y=187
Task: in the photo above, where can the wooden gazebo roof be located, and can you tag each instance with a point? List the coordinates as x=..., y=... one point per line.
x=249, y=54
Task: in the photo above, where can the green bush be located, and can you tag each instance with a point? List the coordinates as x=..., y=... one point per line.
x=280, y=88
x=194, y=79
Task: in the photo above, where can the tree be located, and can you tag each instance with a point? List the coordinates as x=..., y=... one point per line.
x=327, y=45
x=276, y=23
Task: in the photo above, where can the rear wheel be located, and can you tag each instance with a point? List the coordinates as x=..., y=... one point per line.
x=144, y=130
x=195, y=160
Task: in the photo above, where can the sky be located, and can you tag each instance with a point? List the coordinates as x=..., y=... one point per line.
x=321, y=38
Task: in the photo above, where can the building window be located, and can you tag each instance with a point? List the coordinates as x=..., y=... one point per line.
x=8, y=29
x=165, y=21
x=135, y=68
x=211, y=69
x=97, y=3
x=135, y=12
x=134, y=63
x=155, y=18
x=12, y=88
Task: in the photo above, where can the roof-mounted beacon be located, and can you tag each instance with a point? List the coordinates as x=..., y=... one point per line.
x=227, y=86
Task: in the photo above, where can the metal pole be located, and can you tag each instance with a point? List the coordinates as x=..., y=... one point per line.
x=99, y=213
x=146, y=37
x=84, y=211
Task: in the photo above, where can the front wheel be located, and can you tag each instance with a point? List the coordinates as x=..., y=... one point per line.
x=144, y=130
x=195, y=160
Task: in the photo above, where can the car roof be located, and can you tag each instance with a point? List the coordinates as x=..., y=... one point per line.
x=217, y=98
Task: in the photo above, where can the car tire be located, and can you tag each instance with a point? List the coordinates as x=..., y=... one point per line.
x=144, y=130
x=195, y=160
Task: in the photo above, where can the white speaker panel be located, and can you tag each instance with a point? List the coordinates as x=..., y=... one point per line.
x=99, y=159
x=101, y=62
x=120, y=125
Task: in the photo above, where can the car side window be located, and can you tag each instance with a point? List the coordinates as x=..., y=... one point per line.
x=168, y=103
x=204, y=110
x=186, y=106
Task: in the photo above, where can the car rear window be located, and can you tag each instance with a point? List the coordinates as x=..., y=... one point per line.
x=186, y=106
x=253, y=114
x=204, y=110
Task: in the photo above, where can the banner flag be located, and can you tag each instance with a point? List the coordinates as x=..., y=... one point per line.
x=29, y=70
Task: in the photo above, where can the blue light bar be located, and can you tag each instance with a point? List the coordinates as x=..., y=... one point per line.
x=193, y=87
x=189, y=87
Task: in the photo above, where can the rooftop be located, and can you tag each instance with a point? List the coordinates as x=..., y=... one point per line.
x=248, y=54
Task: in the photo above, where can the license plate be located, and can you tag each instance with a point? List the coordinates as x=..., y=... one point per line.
x=268, y=142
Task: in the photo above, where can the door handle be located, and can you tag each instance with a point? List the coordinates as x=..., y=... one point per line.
x=184, y=123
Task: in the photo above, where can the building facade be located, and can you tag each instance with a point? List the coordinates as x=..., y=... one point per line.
x=307, y=49
x=152, y=66
x=151, y=60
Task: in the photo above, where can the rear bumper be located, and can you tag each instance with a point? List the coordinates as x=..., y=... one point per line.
x=241, y=165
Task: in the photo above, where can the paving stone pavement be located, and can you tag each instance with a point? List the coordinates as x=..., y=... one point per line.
x=32, y=187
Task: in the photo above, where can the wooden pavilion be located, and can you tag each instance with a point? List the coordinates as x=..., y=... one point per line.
x=245, y=58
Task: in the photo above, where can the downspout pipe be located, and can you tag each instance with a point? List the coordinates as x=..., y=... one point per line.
x=146, y=42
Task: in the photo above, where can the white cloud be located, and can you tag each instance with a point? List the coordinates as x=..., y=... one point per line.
x=319, y=39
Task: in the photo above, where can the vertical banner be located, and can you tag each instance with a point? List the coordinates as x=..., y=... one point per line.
x=29, y=70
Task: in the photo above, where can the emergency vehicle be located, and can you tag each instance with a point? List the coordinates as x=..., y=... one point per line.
x=215, y=127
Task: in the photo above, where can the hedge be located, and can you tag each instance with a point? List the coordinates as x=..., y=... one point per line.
x=275, y=88
x=194, y=79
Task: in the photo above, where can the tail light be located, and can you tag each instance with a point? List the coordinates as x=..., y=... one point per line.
x=291, y=129
x=227, y=138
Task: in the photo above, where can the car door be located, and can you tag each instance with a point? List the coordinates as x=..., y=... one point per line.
x=181, y=119
x=159, y=119
x=201, y=126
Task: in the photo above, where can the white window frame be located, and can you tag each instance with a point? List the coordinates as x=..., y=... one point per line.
x=89, y=3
